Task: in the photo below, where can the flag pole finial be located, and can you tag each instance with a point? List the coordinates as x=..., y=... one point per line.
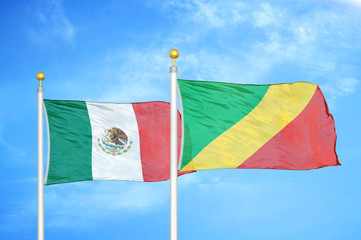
x=40, y=76
x=173, y=54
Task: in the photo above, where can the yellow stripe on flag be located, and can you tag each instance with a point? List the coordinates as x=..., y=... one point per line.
x=281, y=104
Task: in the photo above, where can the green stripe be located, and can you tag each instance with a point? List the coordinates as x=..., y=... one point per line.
x=211, y=108
x=70, y=142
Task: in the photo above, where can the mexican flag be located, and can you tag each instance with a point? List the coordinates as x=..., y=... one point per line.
x=108, y=141
x=281, y=126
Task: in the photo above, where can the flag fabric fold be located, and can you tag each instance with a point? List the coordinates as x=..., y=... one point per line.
x=108, y=141
x=281, y=126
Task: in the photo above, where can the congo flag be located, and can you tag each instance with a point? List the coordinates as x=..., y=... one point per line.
x=281, y=126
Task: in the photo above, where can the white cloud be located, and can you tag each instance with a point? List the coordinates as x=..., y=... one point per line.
x=14, y=151
x=52, y=24
x=268, y=16
x=303, y=41
x=218, y=15
x=134, y=74
x=230, y=194
x=353, y=2
x=122, y=75
x=13, y=222
x=347, y=85
x=215, y=14
x=308, y=42
x=208, y=65
x=304, y=34
x=82, y=204
x=338, y=87
x=188, y=180
x=86, y=204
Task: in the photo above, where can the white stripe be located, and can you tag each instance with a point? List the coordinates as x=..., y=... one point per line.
x=127, y=165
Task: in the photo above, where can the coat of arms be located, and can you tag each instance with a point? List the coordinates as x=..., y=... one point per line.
x=114, y=141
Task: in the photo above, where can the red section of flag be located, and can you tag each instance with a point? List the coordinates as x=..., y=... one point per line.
x=153, y=120
x=307, y=142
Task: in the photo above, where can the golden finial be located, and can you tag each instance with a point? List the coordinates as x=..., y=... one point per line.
x=40, y=76
x=173, y=54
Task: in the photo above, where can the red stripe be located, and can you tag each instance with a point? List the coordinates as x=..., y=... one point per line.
x=307, y=142
x=153, y=120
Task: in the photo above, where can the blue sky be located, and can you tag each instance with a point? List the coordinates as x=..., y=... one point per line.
x=117, y=51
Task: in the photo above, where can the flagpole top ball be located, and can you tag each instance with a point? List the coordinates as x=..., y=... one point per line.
x=173, y=54
x=40, y=76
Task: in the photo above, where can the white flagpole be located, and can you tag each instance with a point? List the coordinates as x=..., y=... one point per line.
x=173, y=148
x=40, y=76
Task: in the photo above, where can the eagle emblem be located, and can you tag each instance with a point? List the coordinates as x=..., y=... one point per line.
x=114, y=141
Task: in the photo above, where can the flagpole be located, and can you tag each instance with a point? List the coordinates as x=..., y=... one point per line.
x=173, y=148
x=40, y=76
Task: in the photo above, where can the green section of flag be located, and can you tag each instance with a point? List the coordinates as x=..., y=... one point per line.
x=70, y=142
x=211, y=108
